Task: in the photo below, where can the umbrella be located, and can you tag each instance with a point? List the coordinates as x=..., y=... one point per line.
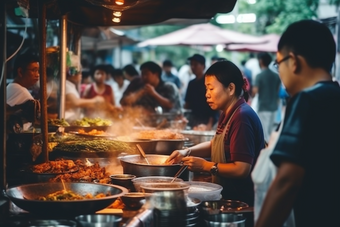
x=200, y=34
x=98, y=38
x=268, y=44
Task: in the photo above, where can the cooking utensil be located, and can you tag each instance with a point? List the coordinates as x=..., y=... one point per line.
x=225, y=220
x=99, y=220
x=135, y=164
x=142, y=153
x=25, y=197
x=205, y=191
x=181, y=170
x=167, y=146
x=134, y=200
x=124, y=180
x=224, y=206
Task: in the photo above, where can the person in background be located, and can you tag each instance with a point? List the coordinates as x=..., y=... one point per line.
x=99, y=88
x=109, y=72
x=185, y=75
x=119, y=86
x=132, y=75
x=86, y=79
x=153, y=92
x=74, y=104
x=267, y=86
x=167, y=74
x=307, y=151
x=247, y=73
x=239, y=136
x=202, y=117
x=18, y=97
x=214, y=59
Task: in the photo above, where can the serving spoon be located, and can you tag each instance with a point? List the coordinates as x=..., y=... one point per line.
x=142, y=153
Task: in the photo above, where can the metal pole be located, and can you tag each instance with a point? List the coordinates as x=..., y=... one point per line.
x=4, y=203
x=43, y=79
x=63, y=49
x=3, y=94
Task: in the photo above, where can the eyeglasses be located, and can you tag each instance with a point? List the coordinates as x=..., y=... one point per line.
x=34, y=70
x=277, y=63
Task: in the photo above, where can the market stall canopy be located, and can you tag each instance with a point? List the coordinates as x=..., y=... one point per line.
x=134, y=12
x=100, y=38
x=268, y=44
x=200, y=34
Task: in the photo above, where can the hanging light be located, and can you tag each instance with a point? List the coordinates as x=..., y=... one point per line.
x=117, y=13
x=119, y=2
x=116, y=19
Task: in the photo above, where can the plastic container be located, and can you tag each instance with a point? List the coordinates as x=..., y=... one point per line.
x=204, y=191
x=152, y=179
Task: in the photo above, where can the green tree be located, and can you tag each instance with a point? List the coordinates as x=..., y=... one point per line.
x=275, y=15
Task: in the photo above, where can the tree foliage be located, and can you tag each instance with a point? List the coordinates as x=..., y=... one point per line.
x=275, y=15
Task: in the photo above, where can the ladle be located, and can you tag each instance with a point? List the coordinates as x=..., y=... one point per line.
x=142, y=153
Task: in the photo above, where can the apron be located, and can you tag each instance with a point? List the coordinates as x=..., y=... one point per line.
x=217, y=148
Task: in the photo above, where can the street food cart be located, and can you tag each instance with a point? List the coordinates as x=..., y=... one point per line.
x=82, y=13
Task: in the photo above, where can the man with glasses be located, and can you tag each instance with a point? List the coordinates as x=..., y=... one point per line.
x=19, y=98
x=307, y=152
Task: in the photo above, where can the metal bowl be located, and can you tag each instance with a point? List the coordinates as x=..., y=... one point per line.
x=208, y=208
x=98, y=220
x=134, y=200
x=225, y=220
x=124, y=180
x=152, y=179
x=26, y=198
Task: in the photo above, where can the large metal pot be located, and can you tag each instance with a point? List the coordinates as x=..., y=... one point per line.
x=136, y=165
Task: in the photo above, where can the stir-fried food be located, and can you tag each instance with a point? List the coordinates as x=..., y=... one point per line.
x=69, y=195
x=57, y=166
x=85, y=173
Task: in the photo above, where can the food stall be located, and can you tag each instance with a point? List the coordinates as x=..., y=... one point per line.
x=84, y=153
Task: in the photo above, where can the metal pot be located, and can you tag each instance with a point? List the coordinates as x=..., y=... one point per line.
x=225, y=220
x=167, y=146
x=197, y=137
x=136, y=165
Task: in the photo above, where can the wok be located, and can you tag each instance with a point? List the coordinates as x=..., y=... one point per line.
x=136, y=165
x=25, y=197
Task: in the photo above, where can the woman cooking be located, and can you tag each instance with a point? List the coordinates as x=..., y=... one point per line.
x=238, y=140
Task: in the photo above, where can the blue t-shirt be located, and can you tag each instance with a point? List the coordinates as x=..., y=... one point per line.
x=310, y=138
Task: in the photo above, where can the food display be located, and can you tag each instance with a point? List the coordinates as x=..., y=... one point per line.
x=87, y=172
x=58, y=122
x=158, y=134
x=87, y=122
x=69, y=195
x=57, y=166
x=82, y=145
